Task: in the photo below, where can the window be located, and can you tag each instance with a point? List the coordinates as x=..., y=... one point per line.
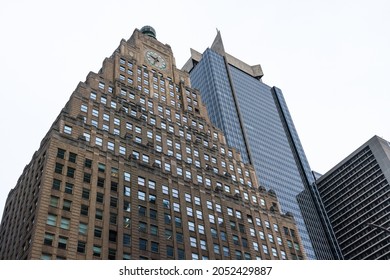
x=262, y=236
x=176, y=207
x=141, y=211
x=201, y=229
x=99, y=197
x=203, y=244
x=126, y=206
x=56, y=184
x=61, y=153
x=274, y=252
x=67, y=129
x=126, y=191
x=99, y=214
x=193, y=242
x=141, y=195
x=65, y=222
x=153, y=230
x=175, y=193
x=145, y=158
x=81, y=247
x=87, y=177
x=58, y=168
x=213, y=232
x=68, y=188
x=66, y=205
x=95, y=112
x=62, y=242
x=143, y=244
x=216, y=249
x=85, y=193
x=141, y=181
x=70, y=172
x=223, y=236
x=113, y=202
x=167, y=167
x=99, y=141
x=236, y=241
x=126, y=176
x=225, y=251
x=97, y=250
x=152, y=198
x=84, y=210
x=292, y=232
x=255, y=246
x=54, y=201
x=165, y=189
x=84, y=108
x=189, y=212
x=265, y=249
x=48, y=239
x=154, y=247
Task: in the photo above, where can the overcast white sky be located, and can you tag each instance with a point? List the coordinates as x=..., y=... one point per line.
x=331, y=59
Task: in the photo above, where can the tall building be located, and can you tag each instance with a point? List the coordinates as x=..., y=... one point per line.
x=356, y=197
x=256, y=120
x=132, y=168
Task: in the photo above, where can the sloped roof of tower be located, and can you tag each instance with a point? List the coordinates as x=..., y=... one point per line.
x=217, y=46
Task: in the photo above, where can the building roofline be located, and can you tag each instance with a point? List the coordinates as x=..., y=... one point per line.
x=255, y=70
x=373, y=139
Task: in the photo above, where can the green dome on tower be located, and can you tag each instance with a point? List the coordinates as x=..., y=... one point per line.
x=148, y=30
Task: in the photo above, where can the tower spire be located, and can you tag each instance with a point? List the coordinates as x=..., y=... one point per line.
x=218, y=44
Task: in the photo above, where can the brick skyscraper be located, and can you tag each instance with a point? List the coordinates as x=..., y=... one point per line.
x=132, y=168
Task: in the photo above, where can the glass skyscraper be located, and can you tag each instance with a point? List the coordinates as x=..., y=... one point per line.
x=256, y=121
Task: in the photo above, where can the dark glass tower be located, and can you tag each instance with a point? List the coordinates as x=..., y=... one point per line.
x=256, y=120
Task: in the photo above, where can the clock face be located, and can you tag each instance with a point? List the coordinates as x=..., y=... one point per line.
x=156, y=60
